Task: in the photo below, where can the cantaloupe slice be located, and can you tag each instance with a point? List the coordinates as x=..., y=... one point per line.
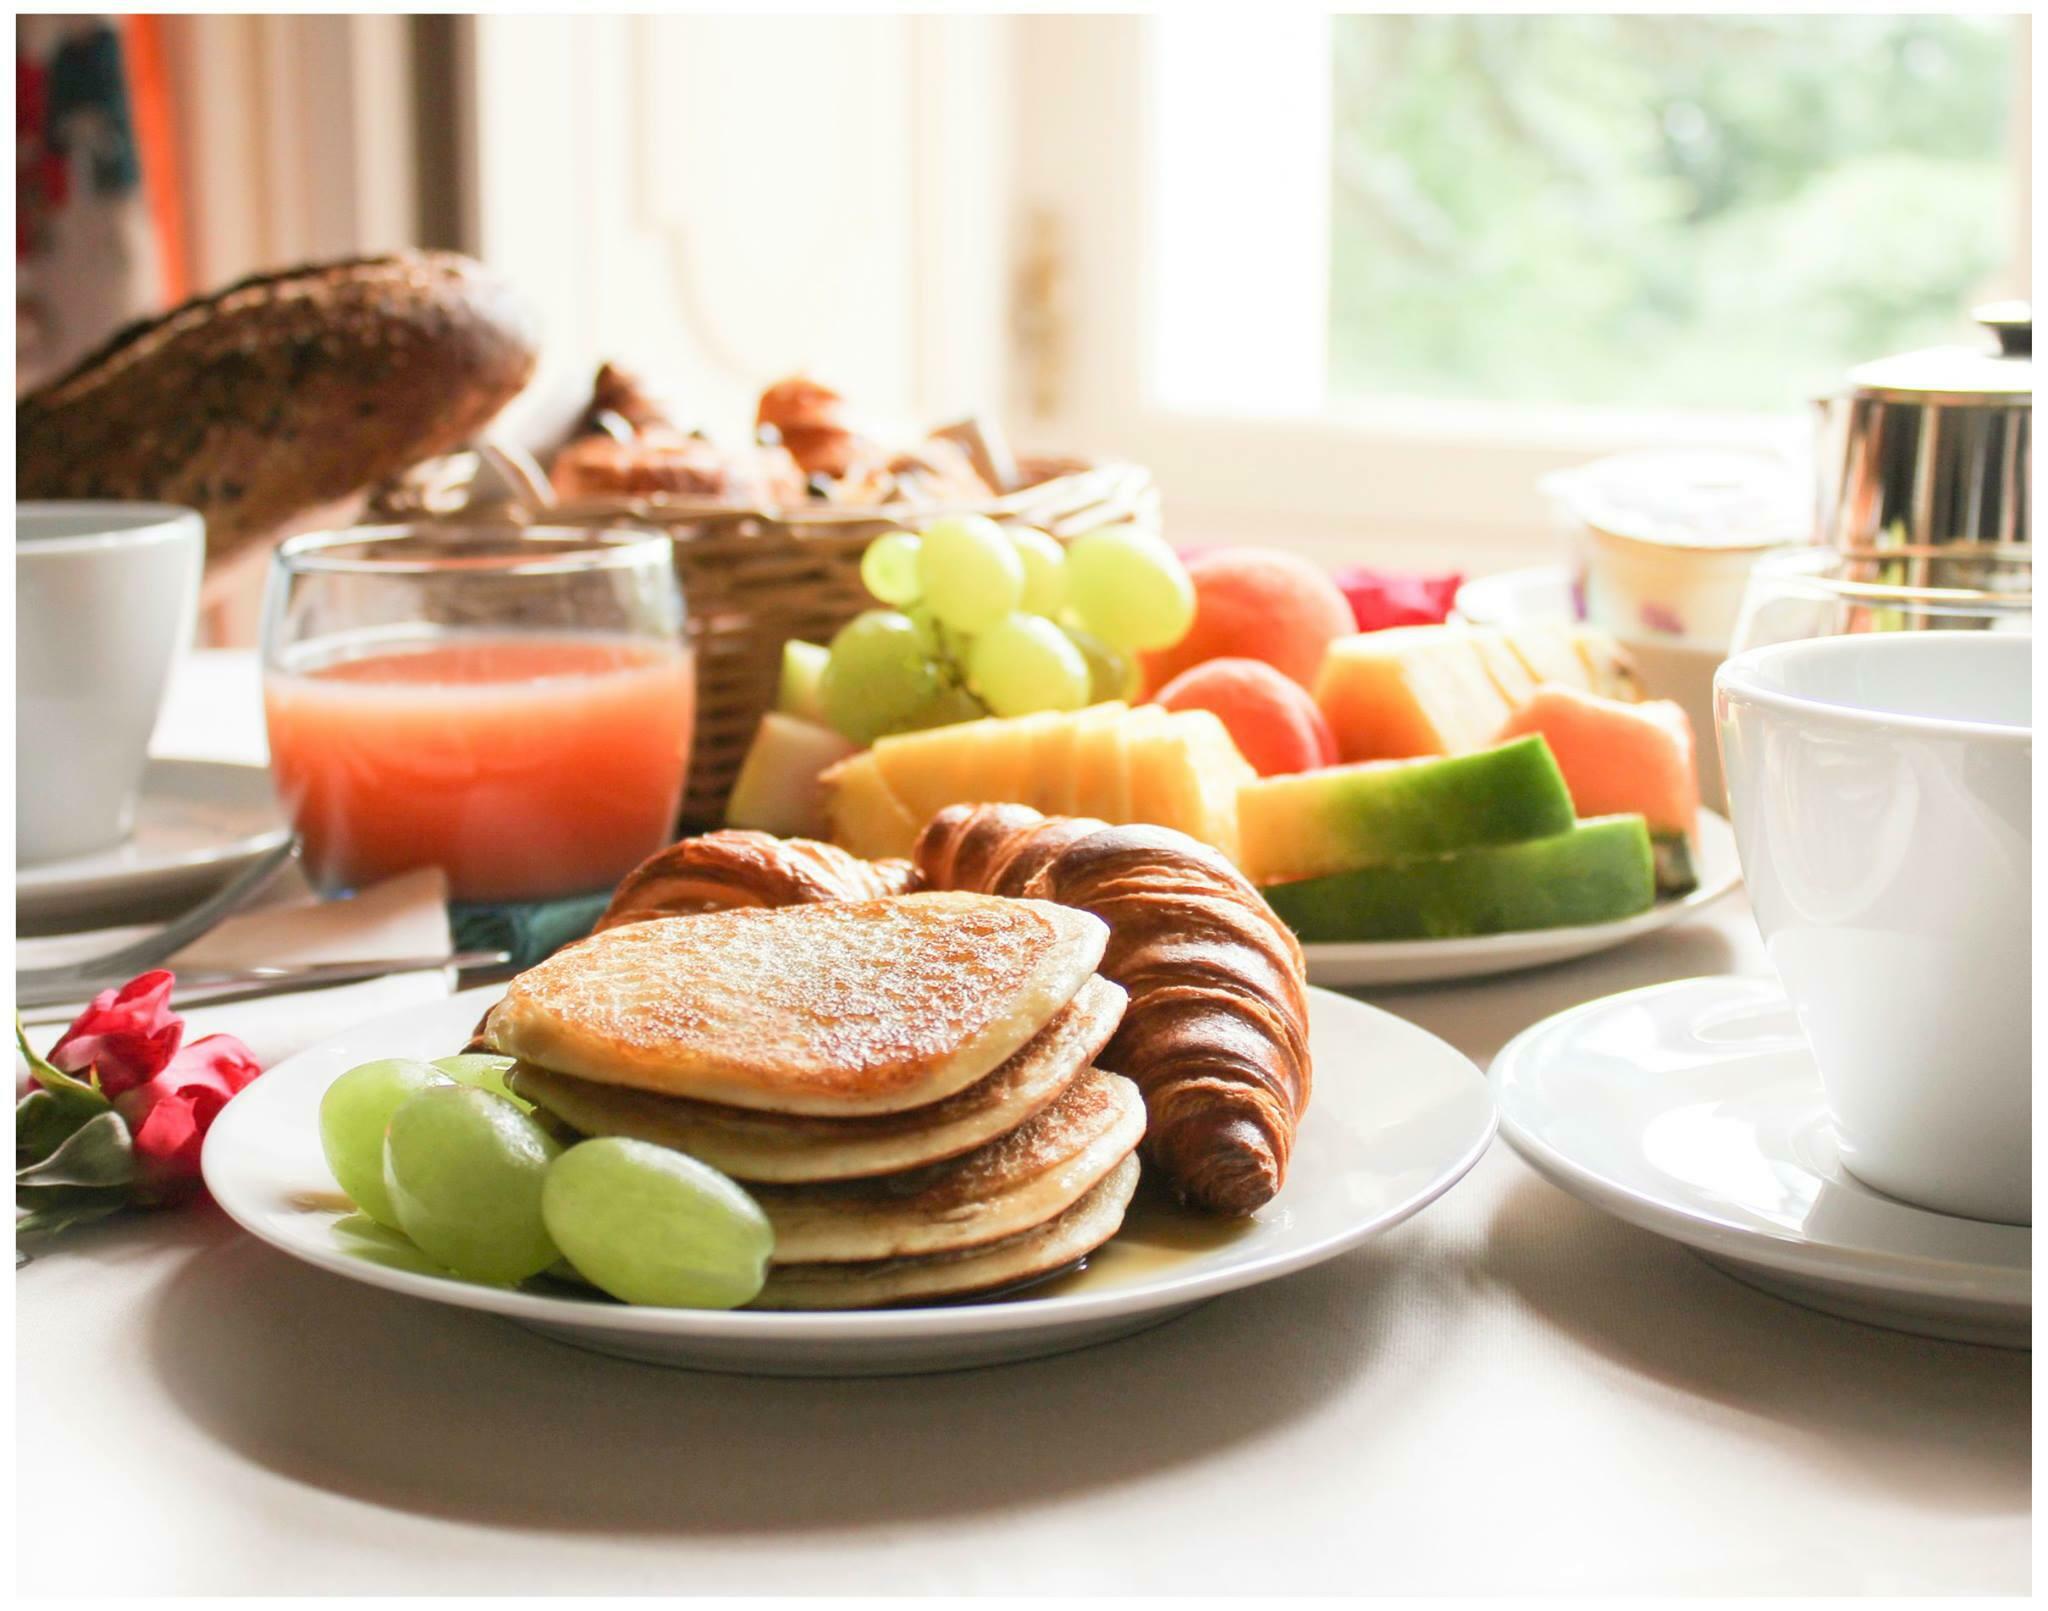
x=1619, y=757
x=1007, y=770
x=1421, y=690
x=865, y=817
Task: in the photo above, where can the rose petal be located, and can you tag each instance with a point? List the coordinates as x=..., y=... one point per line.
x=129, y=1035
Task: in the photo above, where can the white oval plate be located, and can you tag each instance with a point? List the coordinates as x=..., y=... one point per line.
x=1693, y=1109
x=1348, y=965
x=1397, y=1116
x=196, y=823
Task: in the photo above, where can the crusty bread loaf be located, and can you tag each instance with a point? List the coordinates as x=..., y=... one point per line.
x=283, y=394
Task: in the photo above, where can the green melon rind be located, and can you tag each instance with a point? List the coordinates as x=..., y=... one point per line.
x=1599, y=871
x=1381, y=812
x=1673, y=860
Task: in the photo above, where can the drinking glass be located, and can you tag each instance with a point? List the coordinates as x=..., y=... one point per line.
x=512, y=704
x=1812, y=592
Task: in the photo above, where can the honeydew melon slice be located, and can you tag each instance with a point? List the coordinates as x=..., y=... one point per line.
x=1099, y=767
x=1313, y=824
x=864, y=816
x=779, y=789
x=1598, y=872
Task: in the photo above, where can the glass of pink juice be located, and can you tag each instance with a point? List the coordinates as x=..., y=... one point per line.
x=510, y=704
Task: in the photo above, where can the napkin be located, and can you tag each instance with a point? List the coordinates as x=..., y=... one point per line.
x=403, y=916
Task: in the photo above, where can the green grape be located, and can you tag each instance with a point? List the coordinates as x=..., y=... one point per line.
x=464, y=1169
x=1025, y=663
x=355, y=1112
x=972, y=573
x=953, y=706
x=889, y=569
x=1111, y=675
x=929, y=633
x=1045, y=571
x=1129, y=588
x=878, y=673
x=652, y=1225
x=486, y=1072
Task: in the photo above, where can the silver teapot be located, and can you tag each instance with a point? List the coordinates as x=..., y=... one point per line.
x=1932, y=450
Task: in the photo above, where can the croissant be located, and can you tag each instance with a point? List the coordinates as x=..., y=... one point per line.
x=740, y=867
x=1216, y=1032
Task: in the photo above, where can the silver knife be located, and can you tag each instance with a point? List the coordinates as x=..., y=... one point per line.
x=215, y=984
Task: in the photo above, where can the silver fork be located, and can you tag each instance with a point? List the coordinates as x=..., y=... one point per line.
x=145, y=953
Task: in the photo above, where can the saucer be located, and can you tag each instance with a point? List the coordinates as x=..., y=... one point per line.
x=196, y=824
x=1693, y=1109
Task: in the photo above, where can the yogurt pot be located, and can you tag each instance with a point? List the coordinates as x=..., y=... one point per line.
x=1665, y=538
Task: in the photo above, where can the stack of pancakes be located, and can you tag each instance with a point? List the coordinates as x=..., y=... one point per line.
x=905, y=1085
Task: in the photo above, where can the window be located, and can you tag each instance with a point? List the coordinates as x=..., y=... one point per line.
x=1714, y=212
x=1383, y=272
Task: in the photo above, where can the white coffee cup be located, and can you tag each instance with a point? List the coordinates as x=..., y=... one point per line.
x=1881, y=791
x=105, y=598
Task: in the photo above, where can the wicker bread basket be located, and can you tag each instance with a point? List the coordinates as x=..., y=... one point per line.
x=755, y=577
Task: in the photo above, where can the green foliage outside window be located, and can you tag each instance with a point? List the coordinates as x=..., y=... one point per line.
x=1705, y=212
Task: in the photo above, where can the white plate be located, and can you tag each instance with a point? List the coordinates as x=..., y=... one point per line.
x=195, y=824
x=1396, y=1118
x=1693, y=1109
x=1350, y=964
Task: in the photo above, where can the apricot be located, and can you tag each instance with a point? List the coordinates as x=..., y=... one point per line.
x=1275, y=725
x=1256, y=604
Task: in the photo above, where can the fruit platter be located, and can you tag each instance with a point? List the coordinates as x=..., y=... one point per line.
x=1419, y=801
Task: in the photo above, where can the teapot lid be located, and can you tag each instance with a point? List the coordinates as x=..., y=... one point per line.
x=1965, y=375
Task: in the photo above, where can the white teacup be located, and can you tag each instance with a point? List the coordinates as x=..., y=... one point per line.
x=105, y=597
x=1881, y=794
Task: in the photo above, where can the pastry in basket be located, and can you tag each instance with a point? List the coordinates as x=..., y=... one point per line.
x=910, y=1077
x=813, y=422
x=627, y=444
x=1216, y=1031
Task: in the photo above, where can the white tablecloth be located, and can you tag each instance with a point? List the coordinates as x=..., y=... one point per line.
x=1512, y=1393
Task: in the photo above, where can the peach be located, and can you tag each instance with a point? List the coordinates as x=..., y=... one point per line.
x=1257, y=604
x=1274, y=724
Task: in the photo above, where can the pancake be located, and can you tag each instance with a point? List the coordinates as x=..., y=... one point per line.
x=830, y=1009
x=1041, y=1251
x=792, y=1148
x=1001, y=1189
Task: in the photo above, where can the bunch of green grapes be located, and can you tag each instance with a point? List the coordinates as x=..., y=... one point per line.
x=983, y=619
x=446, y=1154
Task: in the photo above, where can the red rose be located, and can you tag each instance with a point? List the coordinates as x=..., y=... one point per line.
x=129, y=1035
x=166, y=1093
x=168, y=1116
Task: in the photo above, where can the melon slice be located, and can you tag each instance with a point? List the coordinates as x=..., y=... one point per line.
x=1007, y=768
x=1598, y=872
x=1095, y=764
x=862, y=813
x=1619, y=757
x=1052, y=763
x=1312, y=824
x=1144, y=792
x=1185, y=774
x=936, y=767
x=803, y=665
x=1421, y=690
x=779, y=789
